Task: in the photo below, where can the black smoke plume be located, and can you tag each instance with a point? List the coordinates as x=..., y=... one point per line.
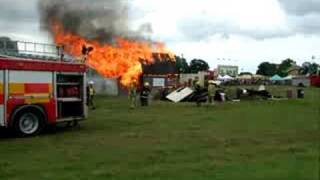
x=101, y=20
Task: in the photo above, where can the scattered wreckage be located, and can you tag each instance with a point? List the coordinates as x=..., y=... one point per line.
x=187, y=94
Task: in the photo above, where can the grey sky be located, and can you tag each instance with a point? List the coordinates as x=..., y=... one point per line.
x=301, y=7
x=249, y=32
x=19, y=19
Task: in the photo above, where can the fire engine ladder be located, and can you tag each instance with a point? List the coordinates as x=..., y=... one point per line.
x=33, y=51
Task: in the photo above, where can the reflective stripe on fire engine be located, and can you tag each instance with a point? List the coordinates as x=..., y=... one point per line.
x=31, y=93
x=32, y=86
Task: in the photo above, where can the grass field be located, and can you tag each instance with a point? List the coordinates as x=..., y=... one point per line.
x=271, y=140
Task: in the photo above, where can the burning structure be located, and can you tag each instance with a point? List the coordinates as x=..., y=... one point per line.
x=98, y=32
x=162, y=73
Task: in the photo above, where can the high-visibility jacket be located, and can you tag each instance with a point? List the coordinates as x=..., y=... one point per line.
x=132, y=92
x=211, y=90
x=91, y=91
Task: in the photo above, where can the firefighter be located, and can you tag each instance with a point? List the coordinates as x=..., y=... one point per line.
x=133, y=94
x=194, y=82
x=211, y=92
x=90, y=95
x=144, y=94
x=198, y=93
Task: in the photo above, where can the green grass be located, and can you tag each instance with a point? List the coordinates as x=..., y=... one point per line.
x=248, y=140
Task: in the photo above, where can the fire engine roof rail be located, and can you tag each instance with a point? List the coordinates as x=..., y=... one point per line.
x=31, y=50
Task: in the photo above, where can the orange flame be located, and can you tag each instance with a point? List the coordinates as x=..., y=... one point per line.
x=123, y=60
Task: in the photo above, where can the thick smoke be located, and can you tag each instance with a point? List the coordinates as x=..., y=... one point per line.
x=101, y=20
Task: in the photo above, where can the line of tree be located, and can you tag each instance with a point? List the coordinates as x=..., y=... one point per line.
x=265, y=68
x=283, y=69
x=309, y=68
x=195, y=66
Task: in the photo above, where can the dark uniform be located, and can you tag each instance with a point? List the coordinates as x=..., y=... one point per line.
x=144, y=95
x=198, y=93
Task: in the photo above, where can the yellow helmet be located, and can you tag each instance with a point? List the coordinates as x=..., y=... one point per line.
x=146, y=84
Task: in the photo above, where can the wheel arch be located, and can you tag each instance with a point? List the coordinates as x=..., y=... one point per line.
x=22, y=108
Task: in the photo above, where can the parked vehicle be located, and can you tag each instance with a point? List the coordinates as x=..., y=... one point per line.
x=36, y=92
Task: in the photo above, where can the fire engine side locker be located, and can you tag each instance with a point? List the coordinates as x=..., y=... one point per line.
x=79, y=101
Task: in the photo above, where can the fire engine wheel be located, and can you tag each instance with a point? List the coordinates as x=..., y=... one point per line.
x=28, y=123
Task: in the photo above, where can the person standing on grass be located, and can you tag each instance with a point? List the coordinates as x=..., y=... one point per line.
x=211, y=92
x=133, y=95
x=198, y=93
x=90, y=95
x=144, y=94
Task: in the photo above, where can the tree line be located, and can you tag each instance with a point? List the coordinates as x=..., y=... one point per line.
x=283, y=69
x=265, y=68
x=194, y=66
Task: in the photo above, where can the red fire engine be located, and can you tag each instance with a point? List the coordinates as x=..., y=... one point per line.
x=315, y=80
x=37, y=90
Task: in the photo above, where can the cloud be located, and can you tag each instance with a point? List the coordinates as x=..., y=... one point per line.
x=16, y=11
x=19, y=19
x=248, y=30
x=206, y=27
x=301, y=7
x=303, y=15
x=202, y=19
x=307, y=24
